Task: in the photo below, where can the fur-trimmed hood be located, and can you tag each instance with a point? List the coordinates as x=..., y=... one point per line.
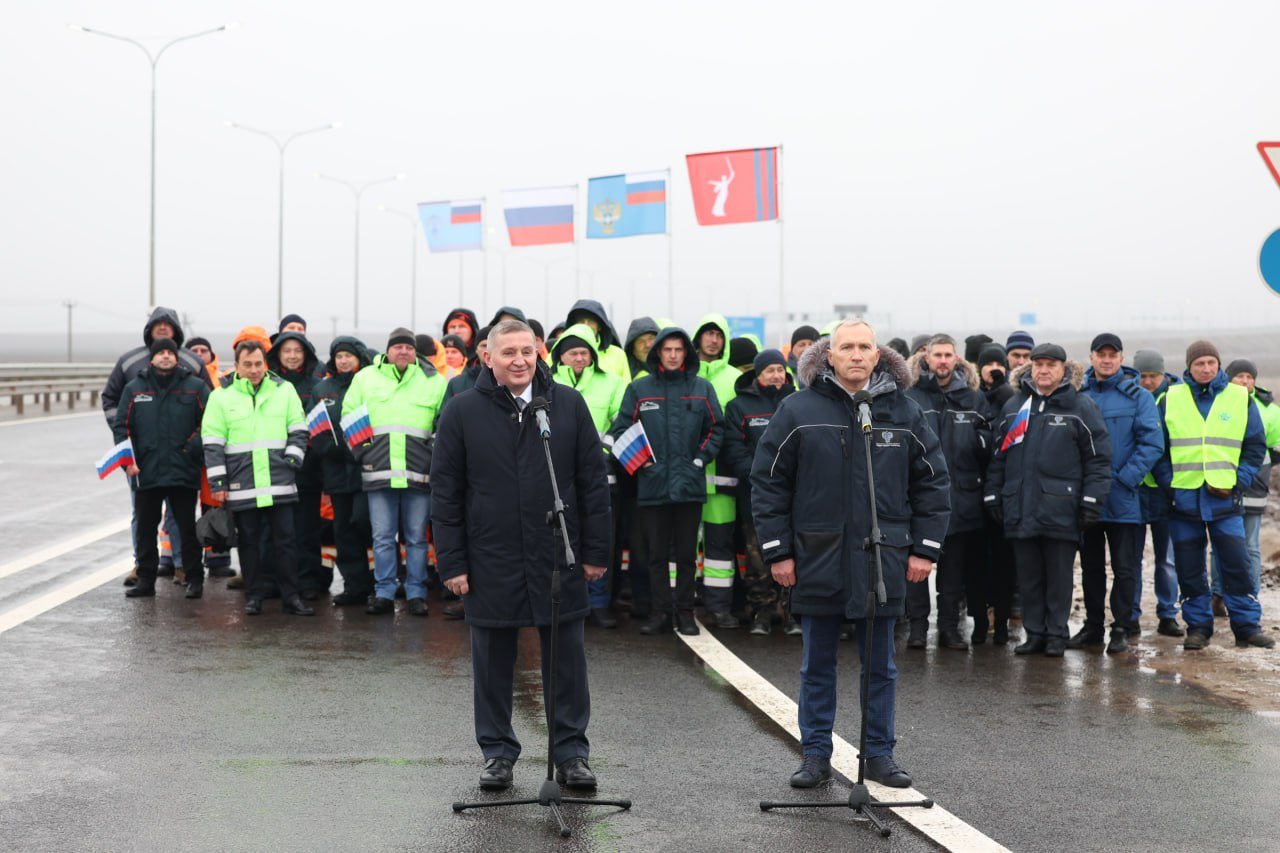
x=1074, y=377
x=967, y=370
x=889, y=375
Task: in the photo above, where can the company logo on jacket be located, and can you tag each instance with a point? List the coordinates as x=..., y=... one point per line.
x=650, y=406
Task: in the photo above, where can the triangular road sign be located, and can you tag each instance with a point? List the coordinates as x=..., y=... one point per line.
x=1270, y=152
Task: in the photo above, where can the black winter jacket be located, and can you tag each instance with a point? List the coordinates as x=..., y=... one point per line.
x=490, y=495
x=809, y=494
x=132, y=362
x=161, y=418
x=1062, y=463
x=962, y=421
x=683, y=422
x=341, y=472
x=304, y=381
x=745, y=420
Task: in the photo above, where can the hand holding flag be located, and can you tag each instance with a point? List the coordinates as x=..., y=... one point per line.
x=1017, y=429
x=318, y=421
x=120, y=456
x=357, y=428
x=632, y=448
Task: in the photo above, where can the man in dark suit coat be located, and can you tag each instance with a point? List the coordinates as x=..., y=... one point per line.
x=491, y=493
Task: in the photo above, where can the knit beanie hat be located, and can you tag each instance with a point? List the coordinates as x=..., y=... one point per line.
x=401, y=335
x=990, y=352
x=1242, y=365
x=453, y=342
x=973, y=346
x=350, y=346
x=200, y=342
x=164, y=344
x=767, y=357
x=1020, y=340
x=899, y=346
x=1148, y=361
x=291, y=318
x=569, y=342
x=919, y=341
x=742, y=351
x=1199, y=349
x=804, y=333
x=425, y=345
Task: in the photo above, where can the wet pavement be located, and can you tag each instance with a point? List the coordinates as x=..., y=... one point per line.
x=171, y=724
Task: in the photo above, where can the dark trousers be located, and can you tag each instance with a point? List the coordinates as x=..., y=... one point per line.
x=960, y=578
x=818, y=683
x=493, y=661
x=638, y=569
x=671, y=529
x=149, y=506
x=250, y=527
x=306, y=524
x=1045, y=582
x=1125, y=542
x=1002, y=576
x=353, y=537
x=1190, y=536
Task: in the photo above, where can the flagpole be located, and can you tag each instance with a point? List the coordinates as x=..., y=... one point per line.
x=782, y=268
x=484, y=260
x=577, y=251
x=671, y=266
x=462, y=257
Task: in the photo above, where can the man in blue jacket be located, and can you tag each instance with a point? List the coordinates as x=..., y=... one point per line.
x=1136, y=444
x=1216, y=442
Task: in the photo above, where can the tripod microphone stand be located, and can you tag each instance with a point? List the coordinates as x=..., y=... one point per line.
x=549, y=794
x=860, y=796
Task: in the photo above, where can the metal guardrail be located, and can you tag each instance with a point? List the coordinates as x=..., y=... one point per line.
x=49, y=383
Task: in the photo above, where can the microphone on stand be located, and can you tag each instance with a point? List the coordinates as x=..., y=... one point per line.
x=862, y=400
x=540, y=408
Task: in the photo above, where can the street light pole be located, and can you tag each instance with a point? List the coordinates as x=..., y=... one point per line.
x=413, y=274
x=154, y=60
x=281, y=146
x=70, y=306
x=358, y=192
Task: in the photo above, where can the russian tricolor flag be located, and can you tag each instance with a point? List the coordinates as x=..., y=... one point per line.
x=539, y=217
x=632, y=448
x=120, y=456
x=627, y=205
x=1017, y=429
x=356, y=427
x=318, y=420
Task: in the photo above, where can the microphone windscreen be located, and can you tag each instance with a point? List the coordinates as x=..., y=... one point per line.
x=539, y=403
x=863, y=396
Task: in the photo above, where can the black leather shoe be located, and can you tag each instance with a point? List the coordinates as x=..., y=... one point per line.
x=343, y=599
x=725, y=621
x=951, y=639
x=1257, y=641
x=497, y=774
x=380, y=606
x=1119, y=641
x=884, y=770
x=195, y=590
x=1170, y=628
x=814, y=771
x=1055, y=647
x=686, y=624
x=418, y=606
x=296, y=606
x=601, y=618
x=1195, y=641
x=575, y=773
x=142, y=589
x=1086, y=636
x=918, y=634
x=252, y=606
x=659, y=623
x=1033, y=646
x=165, y=570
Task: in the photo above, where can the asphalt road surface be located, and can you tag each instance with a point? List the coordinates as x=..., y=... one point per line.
x=165, y=724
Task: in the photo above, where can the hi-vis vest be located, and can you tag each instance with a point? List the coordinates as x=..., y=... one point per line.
x=1149, y=480
x=1206, y=449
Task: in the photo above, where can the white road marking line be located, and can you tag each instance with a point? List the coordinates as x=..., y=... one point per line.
x=65, y=546
x=23, y=421
x=937, y=823
x=23, y=613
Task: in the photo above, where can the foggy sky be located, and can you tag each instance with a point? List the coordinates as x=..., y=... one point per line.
x=951, y=165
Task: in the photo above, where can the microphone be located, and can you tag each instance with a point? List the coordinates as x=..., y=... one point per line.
x=540, y=408
x=863, y=401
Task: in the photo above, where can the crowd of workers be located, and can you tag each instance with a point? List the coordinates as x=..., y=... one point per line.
x=325, y=463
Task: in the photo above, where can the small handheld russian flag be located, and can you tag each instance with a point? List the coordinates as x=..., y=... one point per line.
x=120, y=456
x=1017, y=429
x=632, y=448
x=318, y=420
x=356, y=427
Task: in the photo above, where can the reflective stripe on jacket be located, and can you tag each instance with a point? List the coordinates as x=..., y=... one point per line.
x=1206, y=449
x=402, y=411
x=254, y=442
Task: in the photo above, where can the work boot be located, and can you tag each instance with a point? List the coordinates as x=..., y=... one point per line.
x=1055, y=647
x=1219, y=607
x=236, y=582
x=814, y=771
x=195, y=590
x=1086, y=636
x=761, y=625
x=723, y=620
x=885, y=770
x=131, y=578
x=950, y=638
x=380, y=606
x=1033, y=645
x=791, y=627
x=601, y=617
x=659, y=623
x=686, y=624
x=180, y=575
x=165, y=569
x=252, y=606
x=1257, y=641
x=1119, y=641
x=1170, y=628
x=142, y=589
x=1195, y=641
x=919, y=632
x=417, y=607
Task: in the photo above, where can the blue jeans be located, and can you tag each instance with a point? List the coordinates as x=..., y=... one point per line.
x=818, y=684
x=403, y=511
x=1239, y=590
x=1253, y=542
x=1166, y=576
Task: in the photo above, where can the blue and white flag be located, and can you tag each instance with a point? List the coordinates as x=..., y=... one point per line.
x=452, y=226
x=627, y=205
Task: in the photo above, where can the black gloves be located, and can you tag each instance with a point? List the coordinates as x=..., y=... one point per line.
x=1087, y=516
x=995, y=511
